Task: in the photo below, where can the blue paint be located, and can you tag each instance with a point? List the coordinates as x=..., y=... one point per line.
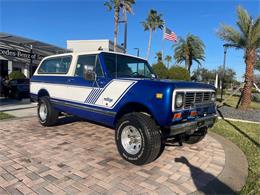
x=142, y=92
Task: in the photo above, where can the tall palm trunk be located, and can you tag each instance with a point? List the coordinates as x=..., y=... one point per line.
x=149, y=44
x=250, y=57
x=187, y=61
x=116, y=18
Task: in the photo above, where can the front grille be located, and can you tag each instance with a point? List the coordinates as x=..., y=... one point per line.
x=193, y=98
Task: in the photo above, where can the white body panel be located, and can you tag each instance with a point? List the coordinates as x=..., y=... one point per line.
x=113, y=92
x=104, y=97
x=65, y=92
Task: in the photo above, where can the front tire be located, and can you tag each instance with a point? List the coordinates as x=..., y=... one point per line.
x=138, y=138
x=46, y=113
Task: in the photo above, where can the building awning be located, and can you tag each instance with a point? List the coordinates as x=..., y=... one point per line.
x=18, y=48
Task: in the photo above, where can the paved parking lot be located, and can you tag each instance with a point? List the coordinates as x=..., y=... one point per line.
x=78, y=157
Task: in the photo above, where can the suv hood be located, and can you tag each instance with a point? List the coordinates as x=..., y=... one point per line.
x=176, y=84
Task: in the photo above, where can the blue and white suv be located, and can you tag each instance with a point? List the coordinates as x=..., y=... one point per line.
x=122, y=92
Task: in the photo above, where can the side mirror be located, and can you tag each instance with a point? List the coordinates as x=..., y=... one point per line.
x=154, y=76
x=89, y=73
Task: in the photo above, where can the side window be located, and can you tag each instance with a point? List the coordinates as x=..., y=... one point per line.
x=58, y=65
x=89, y=63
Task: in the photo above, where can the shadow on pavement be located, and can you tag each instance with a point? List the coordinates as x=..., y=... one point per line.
x=239, y=130
x=9, y=101
x=200, y=179
x=67, y=119
x=72, y=119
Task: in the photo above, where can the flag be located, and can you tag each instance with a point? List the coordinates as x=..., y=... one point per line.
x=169, y=35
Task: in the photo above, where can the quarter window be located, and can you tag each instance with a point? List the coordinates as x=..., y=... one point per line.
x=58, y=65
x=91, y=61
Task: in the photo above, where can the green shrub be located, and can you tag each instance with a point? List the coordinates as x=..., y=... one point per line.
x=178, y=73
x=254, y=90
x=16, y=75
x=256, y=97
x=160, y=70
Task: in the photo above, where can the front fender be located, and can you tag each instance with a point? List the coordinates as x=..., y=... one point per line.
x=160, y=108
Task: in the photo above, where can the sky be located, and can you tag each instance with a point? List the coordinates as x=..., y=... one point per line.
x=56, y=21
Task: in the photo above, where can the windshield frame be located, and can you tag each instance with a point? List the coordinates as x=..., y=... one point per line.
x=140, y=60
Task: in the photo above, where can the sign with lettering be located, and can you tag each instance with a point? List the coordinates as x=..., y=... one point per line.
x=20, y=54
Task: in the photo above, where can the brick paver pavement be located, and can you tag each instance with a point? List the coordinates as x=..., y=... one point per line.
x=81, y=158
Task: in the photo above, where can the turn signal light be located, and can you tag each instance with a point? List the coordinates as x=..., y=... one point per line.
x=159, y=95
x=193, y=113
x=177, y=115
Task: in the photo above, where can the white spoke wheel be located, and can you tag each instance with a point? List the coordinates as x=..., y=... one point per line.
x=43, y=112
x=131, y=139
x=138, y=138
x=46, y=113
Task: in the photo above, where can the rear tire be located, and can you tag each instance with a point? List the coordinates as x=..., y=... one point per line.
x=197, y=136
x=138, y=138
x=46, y=113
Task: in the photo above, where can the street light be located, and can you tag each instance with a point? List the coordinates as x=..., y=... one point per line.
x=226, y=45
x=137, y=51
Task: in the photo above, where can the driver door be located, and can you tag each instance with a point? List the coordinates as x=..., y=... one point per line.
x=87, y=78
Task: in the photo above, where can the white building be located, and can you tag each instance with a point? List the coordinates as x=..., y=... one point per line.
x=92, y=45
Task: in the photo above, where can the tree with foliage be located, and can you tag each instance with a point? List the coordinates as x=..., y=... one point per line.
x=116, y=5
x=153, y=21
x=206, y=76
x=168, y=59
x=203, y=75
x=158, y=56
x=16, y=75
x=230, y=76
x=160, y=70
x=248, y=39
x=178, y=73
x=189, y=50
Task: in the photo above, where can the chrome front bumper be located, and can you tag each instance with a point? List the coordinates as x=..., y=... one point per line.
x=190, y=127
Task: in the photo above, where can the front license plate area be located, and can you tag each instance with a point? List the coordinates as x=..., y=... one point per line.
x=200, y=123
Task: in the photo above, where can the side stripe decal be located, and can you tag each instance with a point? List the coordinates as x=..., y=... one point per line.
x=93, y=96
x=83, y=107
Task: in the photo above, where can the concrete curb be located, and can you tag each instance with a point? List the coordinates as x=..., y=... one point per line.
x=239, y=120
x=22, y=108
x=234, y=174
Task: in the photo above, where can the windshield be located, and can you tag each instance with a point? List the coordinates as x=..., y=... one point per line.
x=126, y=66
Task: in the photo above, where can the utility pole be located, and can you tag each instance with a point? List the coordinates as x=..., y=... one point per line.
x=31, y=62
x=125, y=32
x=125, y=24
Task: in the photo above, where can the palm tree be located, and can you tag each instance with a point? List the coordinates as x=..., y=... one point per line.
x=248, y=39
x=158, y=56
x=168, y=59
x=117, y=5
x=151, y=23
x=189, y=50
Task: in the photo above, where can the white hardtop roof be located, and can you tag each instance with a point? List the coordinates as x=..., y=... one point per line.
x=93, y=52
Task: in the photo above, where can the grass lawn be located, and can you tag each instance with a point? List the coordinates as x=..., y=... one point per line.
x=5, y=116
x=232, y=101
x=247, y=137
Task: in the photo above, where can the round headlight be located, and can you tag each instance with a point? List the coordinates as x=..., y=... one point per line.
x=213, y=97
x=179, y=100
